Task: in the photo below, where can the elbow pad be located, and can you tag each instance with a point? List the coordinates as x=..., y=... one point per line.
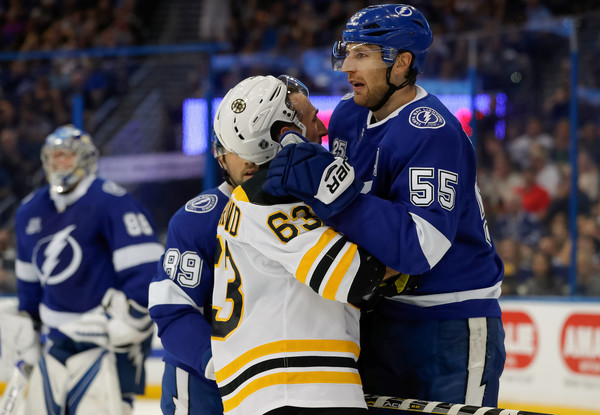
x=367, y=278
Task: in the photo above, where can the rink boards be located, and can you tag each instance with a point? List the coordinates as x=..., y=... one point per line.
x=553, y=357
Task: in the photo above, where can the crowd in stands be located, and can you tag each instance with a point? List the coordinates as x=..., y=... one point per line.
x=524, y=172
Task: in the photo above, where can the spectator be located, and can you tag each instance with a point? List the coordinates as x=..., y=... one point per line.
x=513, y=222
x=8, y=281
x=547, y=173
x=588, y=179
x=510, y=252
x=535, y=199
x=544, y=280
x=519, y=149
x=589, y=140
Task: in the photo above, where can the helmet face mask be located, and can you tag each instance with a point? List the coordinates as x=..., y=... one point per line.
x=393, y=27
x=246, y=114
x=68, y=155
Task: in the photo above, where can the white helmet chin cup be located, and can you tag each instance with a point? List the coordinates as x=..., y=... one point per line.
x=69, y=138
x=245, y=116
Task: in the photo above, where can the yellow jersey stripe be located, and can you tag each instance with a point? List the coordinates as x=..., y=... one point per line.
x=289, y=346
x=312, y=254
x=240, y=194
x=338, y=273
x=288, y=378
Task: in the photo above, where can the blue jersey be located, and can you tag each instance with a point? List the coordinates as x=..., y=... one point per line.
x=181, y=292
x=420, y=212
x=68, y=258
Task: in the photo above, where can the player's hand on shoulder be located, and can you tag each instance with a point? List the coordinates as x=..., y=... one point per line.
x=310, y=172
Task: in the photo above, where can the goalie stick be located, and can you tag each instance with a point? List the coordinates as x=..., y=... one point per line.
x=428, y=407
x=15, y=389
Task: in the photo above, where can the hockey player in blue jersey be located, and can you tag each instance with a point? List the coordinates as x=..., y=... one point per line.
x=86, y=253
x=412, y=201
x=181, y=292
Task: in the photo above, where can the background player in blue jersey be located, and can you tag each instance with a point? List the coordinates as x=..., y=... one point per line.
x=181, y=292
x=419, y=211
x=86, y=251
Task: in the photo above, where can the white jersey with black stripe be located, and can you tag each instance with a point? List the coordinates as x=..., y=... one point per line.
x=283, y=333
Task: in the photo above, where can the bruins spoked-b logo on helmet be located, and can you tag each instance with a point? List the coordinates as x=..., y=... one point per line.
x=238, y=106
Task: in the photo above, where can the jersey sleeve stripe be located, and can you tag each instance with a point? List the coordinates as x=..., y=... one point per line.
x=310, y=257
x=290, y=378
x=288, y=363
x=134, y=255
x=25, y=271
x=321, y=269
x=287, y=346
x=166, y=292
x=433, y=243
x=336, y=278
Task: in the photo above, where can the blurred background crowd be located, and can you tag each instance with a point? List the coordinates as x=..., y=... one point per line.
x=133, y=102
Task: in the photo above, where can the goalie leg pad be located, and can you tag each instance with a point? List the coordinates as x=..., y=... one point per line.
x=93, y=386
x=47, y=387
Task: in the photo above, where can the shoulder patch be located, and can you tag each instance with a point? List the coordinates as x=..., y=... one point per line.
x=425, y=117
x=202, y=204
x=113, y=189
x=348, y=95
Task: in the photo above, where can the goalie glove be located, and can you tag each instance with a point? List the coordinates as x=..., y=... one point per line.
x=311, y=173
x=128, y=323
x=20, y=339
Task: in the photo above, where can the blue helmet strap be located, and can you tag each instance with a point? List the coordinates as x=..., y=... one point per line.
x=392, y=88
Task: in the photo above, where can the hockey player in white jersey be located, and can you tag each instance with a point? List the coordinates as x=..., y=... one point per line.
x=285, y=337
x=86, y=253
x=181, y=292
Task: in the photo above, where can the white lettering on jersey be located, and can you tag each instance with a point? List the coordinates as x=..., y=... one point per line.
x=54, y=249
x=425, y=117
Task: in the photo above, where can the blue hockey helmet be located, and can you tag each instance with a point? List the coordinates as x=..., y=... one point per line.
x=394, y=27
x=75, y=144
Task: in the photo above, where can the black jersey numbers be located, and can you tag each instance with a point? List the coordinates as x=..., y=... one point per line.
x=226, y=318
x=283, y=227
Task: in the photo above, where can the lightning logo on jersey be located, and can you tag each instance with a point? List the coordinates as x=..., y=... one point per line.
x=60, y=248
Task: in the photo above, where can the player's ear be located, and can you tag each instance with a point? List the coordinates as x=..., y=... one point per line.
x=220, y=161
x=284, y=130
x=402, y=63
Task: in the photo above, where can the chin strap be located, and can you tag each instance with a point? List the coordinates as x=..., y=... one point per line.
x=392, y=88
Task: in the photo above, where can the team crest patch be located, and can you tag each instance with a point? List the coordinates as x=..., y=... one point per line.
x=202, y=204
x=238, y=106
x=425, y=117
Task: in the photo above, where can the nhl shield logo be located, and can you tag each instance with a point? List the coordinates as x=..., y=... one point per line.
x=238, y=106
x=425, y=117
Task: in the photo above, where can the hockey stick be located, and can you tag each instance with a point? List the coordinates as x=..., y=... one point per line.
x=15, y=389
x=428, y=407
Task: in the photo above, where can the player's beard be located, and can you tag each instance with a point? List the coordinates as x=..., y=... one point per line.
x=371, y=94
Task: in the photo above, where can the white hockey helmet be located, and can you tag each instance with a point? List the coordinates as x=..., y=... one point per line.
x=245, y=116
x=71, y=139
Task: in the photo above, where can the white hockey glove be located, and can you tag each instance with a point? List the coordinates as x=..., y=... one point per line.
x=20, y=341
x=128, y=322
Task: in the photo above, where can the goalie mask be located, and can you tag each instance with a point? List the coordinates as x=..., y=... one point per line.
x=68, y=155
x=245, y=116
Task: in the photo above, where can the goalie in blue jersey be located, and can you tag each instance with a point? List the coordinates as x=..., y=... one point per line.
x=181, y=292
x=86, y=253
x=403, y=186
